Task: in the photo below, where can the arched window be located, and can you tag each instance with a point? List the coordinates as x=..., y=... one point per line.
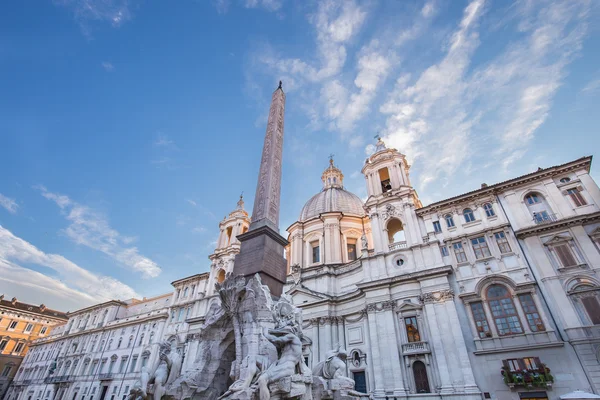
x=503, y=310
x=420, y=374
x=468, y=214
x=395, y=231
x=119, y=343
x=489, y=209
x=130, y=342
x=221, y=276
x=185, y=292
x=141, y=340
x=586, y=295
x=449, y=220
x=539, y=208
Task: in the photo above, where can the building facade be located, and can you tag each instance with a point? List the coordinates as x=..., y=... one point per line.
x=20, y=324
x=491, y=294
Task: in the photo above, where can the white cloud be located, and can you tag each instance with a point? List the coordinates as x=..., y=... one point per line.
x=591, y=86
x=199, y=229
x=113, y=12
x=73, y=286
x=89, y=228
x=452, y=114
x=9, y=204
x=108, y=67
x=335, y=23
x=164, y=141
x=191, y=202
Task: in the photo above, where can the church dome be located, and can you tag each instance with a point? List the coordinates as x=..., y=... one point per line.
x=333, y=197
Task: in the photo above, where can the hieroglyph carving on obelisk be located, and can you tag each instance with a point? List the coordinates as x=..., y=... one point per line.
x=268, y=189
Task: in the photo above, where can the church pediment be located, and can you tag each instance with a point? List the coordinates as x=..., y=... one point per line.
x=301, y=294
x=409, y=306
x=558, y=238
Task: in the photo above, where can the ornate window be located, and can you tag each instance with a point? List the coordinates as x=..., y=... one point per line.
x=503, y=311
x=586, y=296
x=449, y=220
x=412, y=329
x=351, y=249
x=565, y=180
x=562, y=248
x=576, y=197
x=130, y=342
x=316, y=252
x=141, y=340
x=502, y=242
x=480, y=247
x=489, y=210
x=531, y=313
x=468, y=214
x=437, y=227
x=481, y=323
x=420, y=374
x=459, y=252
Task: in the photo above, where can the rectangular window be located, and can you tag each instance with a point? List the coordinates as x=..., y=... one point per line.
x=133, y=363
x=18, y=348
x=43, y=330
x=316, y=254
x=531, y=313
x=437, y=227
x=13, y=324
x=592, y=307
x=513, y=364
x=459, y=252
x=502, y=242
x=530, y=363
x=444, y=251
x=181, y=314
x=505, y=316
x=28, y=328
x=123, y=365
x=412, y=329
x=3, y=344
x=6, y=370
x=564, y=255
x=483, y=329
x=351, y=247
x=576, y=197
x=480, y=247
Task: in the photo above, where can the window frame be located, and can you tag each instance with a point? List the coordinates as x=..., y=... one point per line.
x=510, y=320
x=576, y=197
x=455, y=247
x=501, y=241
x=437, y=227
x=532, y=315
x=315, y=252
x=481, y=320
x=412, y=336
x=480, y=247
x=489, y=210
x=351, y=244
x=449, y=221
x=468, y=215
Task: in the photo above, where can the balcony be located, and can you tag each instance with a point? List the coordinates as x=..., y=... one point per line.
x=544, y=218
x=58, y=379
x=397, y=246
x=107, y=377
x=415, y=348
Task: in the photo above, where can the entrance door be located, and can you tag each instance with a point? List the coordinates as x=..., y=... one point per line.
x=533, y=396
x=104, y=389
x=360, y=381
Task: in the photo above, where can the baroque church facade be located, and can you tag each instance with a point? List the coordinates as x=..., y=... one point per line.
x=491, y=294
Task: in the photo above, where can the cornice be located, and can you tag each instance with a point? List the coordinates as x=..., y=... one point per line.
x=584, y=162
x=559, y=224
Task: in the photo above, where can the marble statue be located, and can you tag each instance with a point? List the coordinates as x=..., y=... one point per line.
x=364, y=242
x=289, y=347
x=333, y=367
x=165, y=371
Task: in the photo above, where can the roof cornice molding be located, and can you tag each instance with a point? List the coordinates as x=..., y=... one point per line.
x=560, y=224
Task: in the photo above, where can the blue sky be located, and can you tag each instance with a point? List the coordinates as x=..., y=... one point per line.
x=129, y=128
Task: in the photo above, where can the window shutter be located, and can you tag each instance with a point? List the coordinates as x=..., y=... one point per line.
x=538, y=363
x=592, y=307
x=564, y=254
x=522, y=365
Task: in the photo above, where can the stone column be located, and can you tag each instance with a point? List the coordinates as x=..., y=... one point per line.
x=437, y=330
x=377, y=232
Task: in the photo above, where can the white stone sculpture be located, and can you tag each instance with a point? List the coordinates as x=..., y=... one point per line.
x=164, y=372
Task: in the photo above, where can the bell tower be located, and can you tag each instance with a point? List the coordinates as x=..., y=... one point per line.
x=392, y=200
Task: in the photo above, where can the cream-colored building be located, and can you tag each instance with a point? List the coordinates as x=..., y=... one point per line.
x=491, y=294
x=21, y=323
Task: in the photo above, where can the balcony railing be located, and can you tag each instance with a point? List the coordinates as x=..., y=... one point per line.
x=58, y=379
x=545, y=218
x=107, y=376
x=415, y=348
x=397, y=246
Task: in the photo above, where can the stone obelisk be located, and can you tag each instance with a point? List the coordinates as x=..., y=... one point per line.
x=262, y=247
